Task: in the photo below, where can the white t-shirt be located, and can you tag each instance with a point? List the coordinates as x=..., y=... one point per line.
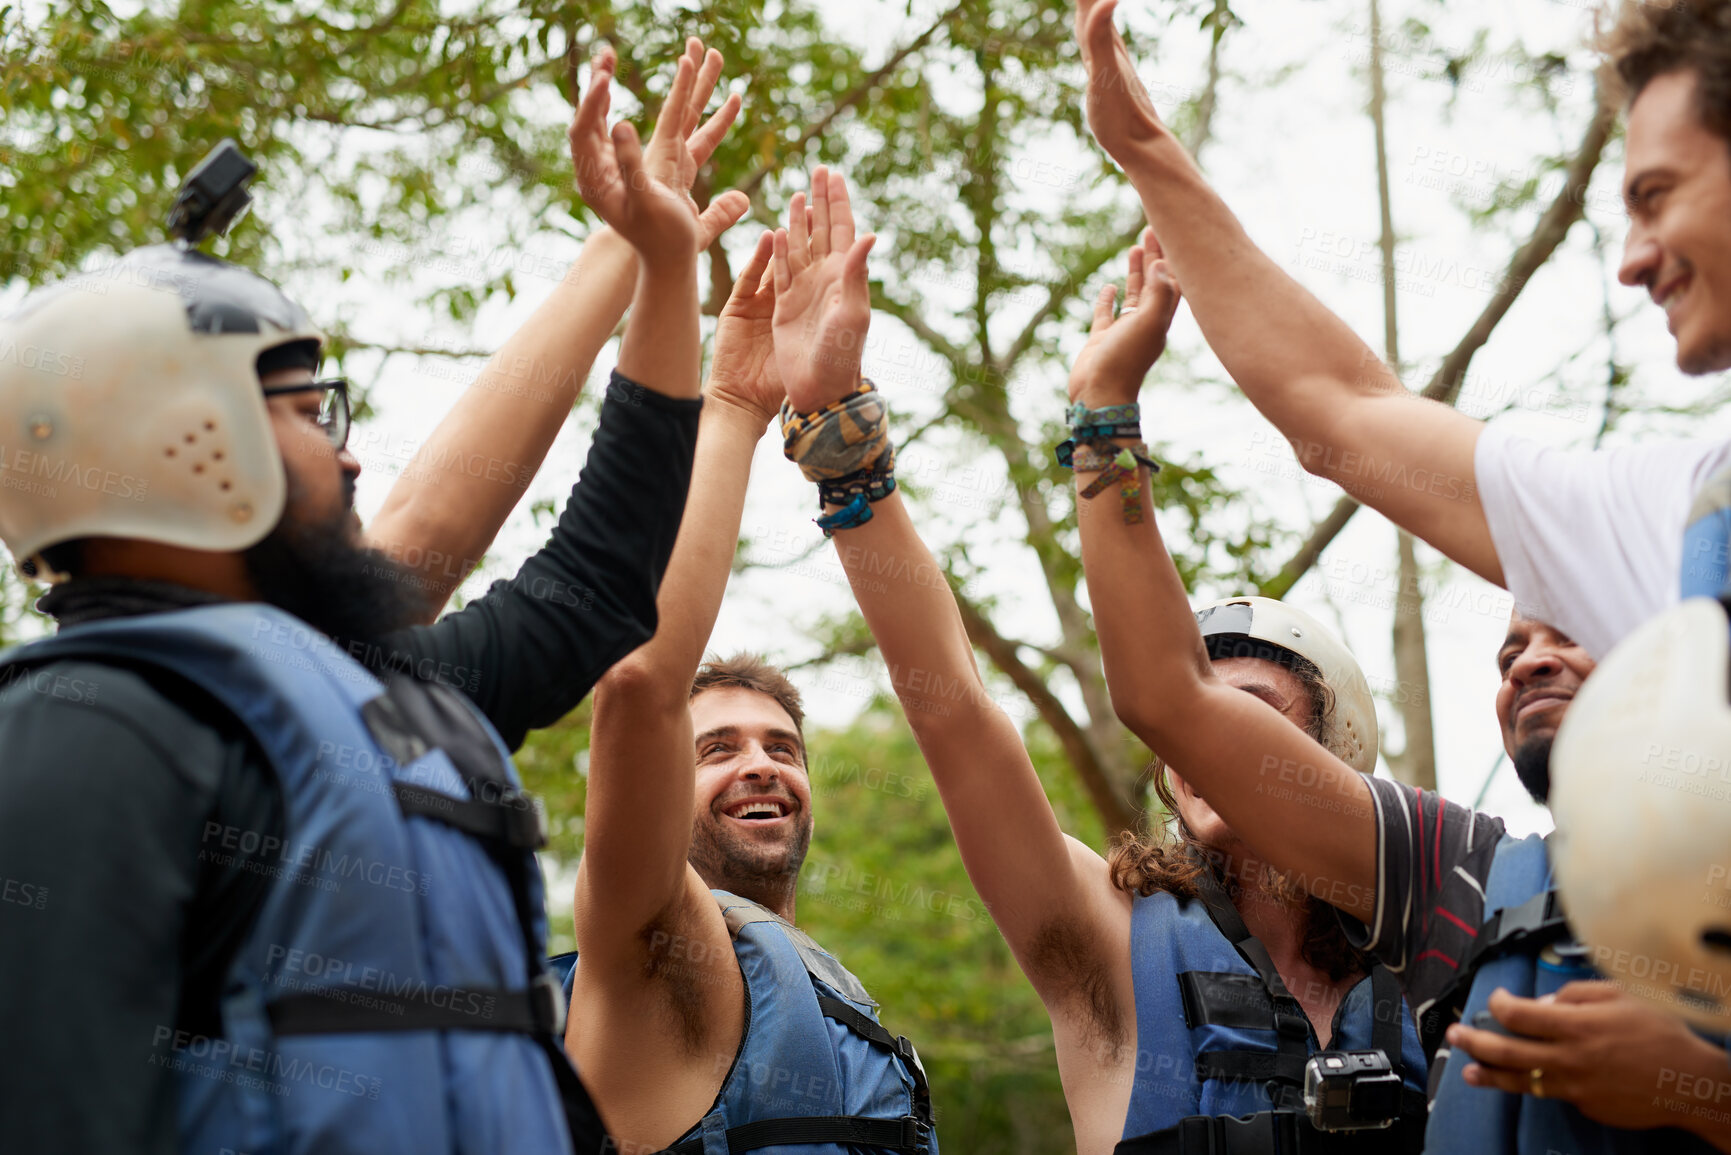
x=1591, y=541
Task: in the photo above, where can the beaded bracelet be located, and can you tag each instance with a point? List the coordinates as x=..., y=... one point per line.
x=855, y=494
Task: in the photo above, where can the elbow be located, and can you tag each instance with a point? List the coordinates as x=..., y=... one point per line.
x=1153, y=712
x=642, y=686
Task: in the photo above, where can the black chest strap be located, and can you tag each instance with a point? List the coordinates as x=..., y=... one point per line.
x=1290, y=1024
x=1527, y=928
x=910, y=1133
x=1234, y=1000
x=1276, y=1133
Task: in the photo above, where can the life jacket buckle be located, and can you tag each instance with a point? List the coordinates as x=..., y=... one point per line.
x=525, y=822
x=1291, y=1026
x=547, y=1004
x=916, y=1134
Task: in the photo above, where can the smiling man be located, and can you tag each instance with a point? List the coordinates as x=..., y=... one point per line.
x=702, y=1018
x=1589, y=540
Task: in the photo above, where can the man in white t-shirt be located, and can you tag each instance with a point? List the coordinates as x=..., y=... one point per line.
x=1591, y=541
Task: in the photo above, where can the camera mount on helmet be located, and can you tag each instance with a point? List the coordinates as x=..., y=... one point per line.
x=213, y=196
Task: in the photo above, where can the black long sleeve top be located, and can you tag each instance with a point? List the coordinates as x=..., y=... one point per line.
x=118, y=913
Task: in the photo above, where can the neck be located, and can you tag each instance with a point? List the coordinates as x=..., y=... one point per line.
x=777, y=893
x=222, y=574
x=1268, y=913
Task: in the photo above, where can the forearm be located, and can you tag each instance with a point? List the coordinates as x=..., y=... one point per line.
x=661, y=348
x=447, y=506
x=1149, y=642
x=1228, y=744
x=529, y=649
x=1294, y=359
x=905, y=597
x=1009, y=838
x=702, y=561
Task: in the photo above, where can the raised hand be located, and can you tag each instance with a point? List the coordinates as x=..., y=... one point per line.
x=1120, y=350
x=676, y=157
x=658, y=219
x=743, y=371
x=1120, y=113
x=822, y=300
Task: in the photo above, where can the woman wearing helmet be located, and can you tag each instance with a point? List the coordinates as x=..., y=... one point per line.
x=1186, y=984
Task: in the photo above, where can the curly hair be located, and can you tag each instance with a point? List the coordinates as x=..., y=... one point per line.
x=1171, y=858
x=1653, y=38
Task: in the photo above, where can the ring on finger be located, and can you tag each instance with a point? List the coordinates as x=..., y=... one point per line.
x=1536, y=1082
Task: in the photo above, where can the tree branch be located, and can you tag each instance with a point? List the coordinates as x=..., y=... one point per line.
x=853, y=96
x=1115, y=811
x=1445, y=384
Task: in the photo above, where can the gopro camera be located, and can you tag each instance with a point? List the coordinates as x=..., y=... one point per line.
x=1351, y=1091
x=213, y=196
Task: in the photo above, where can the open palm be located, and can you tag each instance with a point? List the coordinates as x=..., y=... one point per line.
x=675, y=157
x=1120, y=350
x=743, y=371
x=1120, y=113
x=822, y=299
x=658, y=219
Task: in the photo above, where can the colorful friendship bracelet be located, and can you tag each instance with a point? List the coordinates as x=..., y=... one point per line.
x=1120, y=466
x=1079, y=414
x=1089, y=435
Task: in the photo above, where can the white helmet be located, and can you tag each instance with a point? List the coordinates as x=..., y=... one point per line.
x=130, y=406
x=1351, y=730
x=1641, y=792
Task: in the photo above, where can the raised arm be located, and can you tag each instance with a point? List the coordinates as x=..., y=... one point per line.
x=1290, y=800
x=641, y=768
x=1015, y=853
x=448, y=504
x=1346, y=414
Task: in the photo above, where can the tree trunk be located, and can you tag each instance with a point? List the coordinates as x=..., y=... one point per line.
x=1416, y=763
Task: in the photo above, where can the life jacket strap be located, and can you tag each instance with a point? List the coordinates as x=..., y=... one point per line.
x=511, y=818
x=873, y=1032
x=1529, y=928
x=905, y=1134
x=1274, y=1133
x=540, y=1010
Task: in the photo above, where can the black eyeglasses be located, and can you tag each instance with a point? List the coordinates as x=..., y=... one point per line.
x=333, y=407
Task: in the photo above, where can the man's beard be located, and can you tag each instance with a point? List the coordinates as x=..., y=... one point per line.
x=726, y=860
x=344, y=590
x=1533, y=766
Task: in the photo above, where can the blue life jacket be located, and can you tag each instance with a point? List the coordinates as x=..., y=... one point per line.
x=390, y=996
x=1221, y=1045
x=1706, y=569
x=1525, y=948
x=815, y=1073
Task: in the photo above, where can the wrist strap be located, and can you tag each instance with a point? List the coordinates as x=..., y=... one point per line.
x=855, y=494
x=843, y=438
x=1079, y=414
x=1120, y=466
x=1090, y=435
